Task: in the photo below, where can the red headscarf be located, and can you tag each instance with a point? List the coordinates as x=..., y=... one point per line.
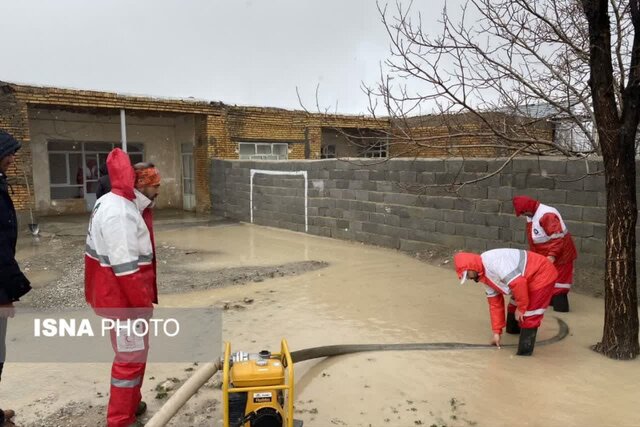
x=523, y=204
x=147, y=177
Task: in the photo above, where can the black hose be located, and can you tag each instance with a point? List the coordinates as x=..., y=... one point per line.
x=341, y=349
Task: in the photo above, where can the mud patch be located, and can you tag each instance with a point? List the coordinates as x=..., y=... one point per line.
x=60, y=290
x=75, y=414
x=42, y=262
x=172, y=278
x=399, y=411
x=41, y=278
x=198, y=412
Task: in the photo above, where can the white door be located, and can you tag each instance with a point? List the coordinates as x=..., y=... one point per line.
x=188, y=181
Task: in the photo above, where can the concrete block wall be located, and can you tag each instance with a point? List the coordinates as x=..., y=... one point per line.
x=390, y=204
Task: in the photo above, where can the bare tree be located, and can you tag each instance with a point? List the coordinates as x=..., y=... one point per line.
x=511, y=67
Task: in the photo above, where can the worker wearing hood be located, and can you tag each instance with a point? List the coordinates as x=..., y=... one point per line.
x=548, y=235
x=120, y=276
x=528, y=278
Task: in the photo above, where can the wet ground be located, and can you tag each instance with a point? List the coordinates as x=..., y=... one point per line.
x=316, y=291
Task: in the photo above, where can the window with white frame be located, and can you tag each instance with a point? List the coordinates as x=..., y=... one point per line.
x=263, y=151
x=74, y=167
x=378, y=149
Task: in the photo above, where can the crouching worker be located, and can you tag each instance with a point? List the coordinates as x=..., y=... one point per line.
x=529, y=279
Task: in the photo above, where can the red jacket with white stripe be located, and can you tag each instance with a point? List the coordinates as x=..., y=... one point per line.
x=120, y=256
x=507, y=272
x=546, y=232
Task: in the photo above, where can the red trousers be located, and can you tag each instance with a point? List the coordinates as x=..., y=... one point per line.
x=565, y=278
x=539, y=300
x=127, y=374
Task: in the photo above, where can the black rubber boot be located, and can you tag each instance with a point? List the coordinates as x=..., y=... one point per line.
x=560, y=303
x=527, y=341
x=512, y=324
x=141, y=409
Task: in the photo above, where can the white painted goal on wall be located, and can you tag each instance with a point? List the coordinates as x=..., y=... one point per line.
x=290, y=173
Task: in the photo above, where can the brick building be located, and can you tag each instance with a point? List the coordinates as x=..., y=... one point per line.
x=68, y=133
x=467, y=135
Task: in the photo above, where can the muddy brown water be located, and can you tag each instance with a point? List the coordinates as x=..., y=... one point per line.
x=366, y=295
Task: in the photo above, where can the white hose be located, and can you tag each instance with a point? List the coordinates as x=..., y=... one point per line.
x=184, y=393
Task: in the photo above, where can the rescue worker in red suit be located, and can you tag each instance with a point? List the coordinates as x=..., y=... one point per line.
x=524, y=275
x=547, y=235
x=120, y=276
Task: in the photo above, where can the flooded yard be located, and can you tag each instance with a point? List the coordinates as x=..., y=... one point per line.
x=317, y=291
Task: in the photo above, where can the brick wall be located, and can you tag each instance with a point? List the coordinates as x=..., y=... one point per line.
x=388, y=204
x=254, y=124
x=439, y=141
x=464, y=135
x=219, y=127
x=14, y=119
x=250, y=124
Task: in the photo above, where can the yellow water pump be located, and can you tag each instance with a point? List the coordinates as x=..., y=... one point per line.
x=257, y=389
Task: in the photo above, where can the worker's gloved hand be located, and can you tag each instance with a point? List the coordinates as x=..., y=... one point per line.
x=519, y=316
x=496, y=340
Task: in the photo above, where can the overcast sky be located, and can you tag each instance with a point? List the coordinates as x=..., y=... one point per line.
x=247, y=52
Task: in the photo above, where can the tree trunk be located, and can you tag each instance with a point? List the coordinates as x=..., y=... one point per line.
x=616, y=134
x=620, y=336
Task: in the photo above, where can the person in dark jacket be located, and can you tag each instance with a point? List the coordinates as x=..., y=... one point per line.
x=104, y=182
x=13, y=283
